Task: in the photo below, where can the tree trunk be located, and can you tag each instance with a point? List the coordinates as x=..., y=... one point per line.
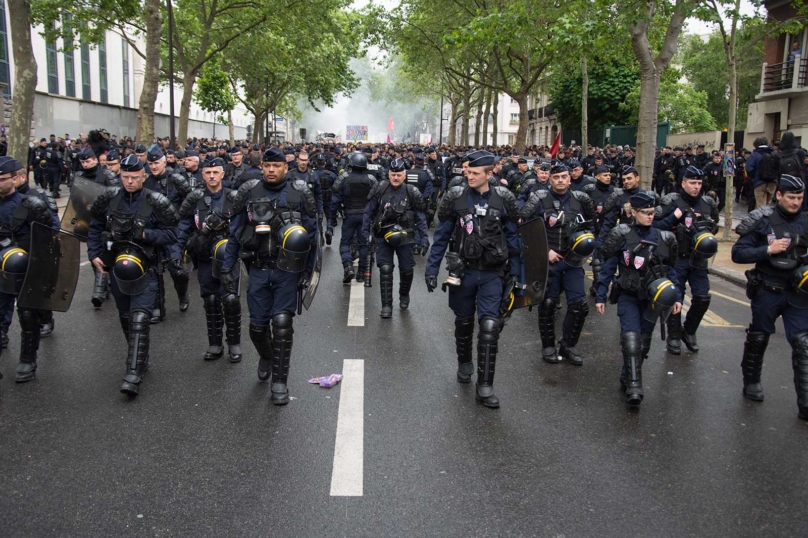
x=647, y=124
x=521, y=133
x=188, y=82
x=451, y=137
x=24, y=88
x=151, y=73
x=584, y=105
x=487, y=111
x=733, y=113
x=478, y=121
x=258, y=128
x=464, y=125
x=495, y=119
x=231, y=130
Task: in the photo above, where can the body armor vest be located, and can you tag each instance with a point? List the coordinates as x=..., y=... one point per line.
x=126, y=227
x=480, y=238
x=557, y=220
x=782, y=265
x=216, y=222
x=263, y=211
x=690, y=224
x=358, y=189
x=642, y=263
x=389, y=213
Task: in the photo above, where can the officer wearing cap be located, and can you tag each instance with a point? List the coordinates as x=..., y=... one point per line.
x=92, y=171
x=599, y=191
x=683, y=161
x=775, y=239
x=131, y=226
x=643, y=259
x=273, y=232
x=568, y=216
x=113, y=164
x=234, y=169
x=702, y=158
x=172, y=166
x=374, y=169
x=664, y=165
x=539, y=180
x=175, y=187
x=478, y=224
x=38, y=162
x=54, y=165
x=203, y=232
x=517, y=176
x=303, y=172
x=193, y=173
x=350, y=193
x=438, y=176
x=17, y=213
x=140, y=151
x=393, y=211
x=693, y=218
x=578, y=180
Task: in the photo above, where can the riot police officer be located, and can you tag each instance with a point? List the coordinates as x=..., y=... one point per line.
x=663, y=167
x=643, y=258
x=53, y=157
x=351, y=191
x=18, y=212
x=175, y=187
x=540, y=180
x=327, y=179
x=234, y=169
x=693, y=218
x=438, y=176
x=113, y=164
x=92, y=171
x=569, y=217
x=304, y=172
x=599, y=191
x=775, y=239
x=480, y=224
x=393, y=212
x=578, y=180
x=204, y=231
x=39, y=163
x=131, y=226
x=421, y=177
x=272, y=231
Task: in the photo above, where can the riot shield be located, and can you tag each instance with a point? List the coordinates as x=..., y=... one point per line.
x=77, y=216
x=535, y=263
x=308, y=294
x=53, y=270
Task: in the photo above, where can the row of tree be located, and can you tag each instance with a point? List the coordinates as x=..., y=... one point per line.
x=265, y=54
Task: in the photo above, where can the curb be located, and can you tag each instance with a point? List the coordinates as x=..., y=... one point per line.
x=730, y=275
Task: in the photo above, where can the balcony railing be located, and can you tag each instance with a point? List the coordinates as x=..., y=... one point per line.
x=784, y=76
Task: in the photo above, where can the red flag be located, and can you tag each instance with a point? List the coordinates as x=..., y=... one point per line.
x=388, y=140
x=390, y=126
x=556, y=145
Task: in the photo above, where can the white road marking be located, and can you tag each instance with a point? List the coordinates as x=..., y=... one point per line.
x=347, y=476
x=356, y=306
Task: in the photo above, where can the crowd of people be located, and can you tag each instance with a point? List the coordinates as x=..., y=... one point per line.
x=211, y=207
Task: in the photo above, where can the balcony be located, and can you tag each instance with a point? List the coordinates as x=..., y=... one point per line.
x=783, y=80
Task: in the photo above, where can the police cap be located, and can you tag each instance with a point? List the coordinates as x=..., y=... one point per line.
x=397, y=165
x=86, y=153
x=140, y=148
x=155, y=154
x=788, y=183
x=113, y=155
x=559, y=168
x=642, y=200
x=9, y=165
x=212, y=163
x=481, y=158
x=131, y=163
x=273, y=155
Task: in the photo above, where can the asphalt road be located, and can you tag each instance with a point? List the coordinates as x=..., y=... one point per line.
x=202, y=452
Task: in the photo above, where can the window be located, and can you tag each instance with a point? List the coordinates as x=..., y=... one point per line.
x=125, y=48
x=5, y=76
x=514, y=117
x=70, y=59
x=511, y=139
x=514, y=101
x=102, y=69
x=53, y=71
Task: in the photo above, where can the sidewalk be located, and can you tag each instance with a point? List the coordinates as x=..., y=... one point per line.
x=721, y=264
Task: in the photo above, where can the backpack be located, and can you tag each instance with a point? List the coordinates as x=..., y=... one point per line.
x=790, y=164
x=769, y=170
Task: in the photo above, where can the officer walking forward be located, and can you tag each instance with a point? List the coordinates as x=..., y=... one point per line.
x=478, y=221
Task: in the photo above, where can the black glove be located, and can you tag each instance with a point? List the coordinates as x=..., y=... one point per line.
x=230, y=280
x=305, y=280
x=424, y=248
x=431, y=282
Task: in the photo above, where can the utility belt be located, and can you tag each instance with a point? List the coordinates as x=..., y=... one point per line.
x=354, y=211
x=264, y=264
x=757, y=280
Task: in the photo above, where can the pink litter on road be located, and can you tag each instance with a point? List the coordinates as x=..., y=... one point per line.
x=328, y=381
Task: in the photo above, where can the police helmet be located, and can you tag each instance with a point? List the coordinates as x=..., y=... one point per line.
x=13, y=265
x=705, y=246
x=293, y=250
x=799, y=288
x=395, y=236
x=129, y=271
x=218, y=257
x=662, y=294
x=358, y=161
x=582, y=246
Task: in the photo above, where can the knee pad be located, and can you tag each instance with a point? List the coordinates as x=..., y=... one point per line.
x=210, y=301
x=548, y=305
x=489, y=329
x=231, y=302
x=580, y=307
x=258, y=333
x=800, y=343
x=282, y=325
x=386, y=270
x=464, y=326
x=139, y=320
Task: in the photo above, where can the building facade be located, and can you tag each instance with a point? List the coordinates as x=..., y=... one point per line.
x=782, y=103
x=86, y=87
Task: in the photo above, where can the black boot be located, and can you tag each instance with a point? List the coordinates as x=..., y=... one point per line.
x=181, y=285
x=46, y=328
x=100, y=288
x=632, y=363
x=404, y=287
x=328, y=236
x=349, y=273
x=799, y=361
x=596, y=267
x=232, y=320
x=699, y=305
x=573, y=325
x=752, y=363
x=486, y=360
x=138, y=361
x=547, y=314
x=386, y=287
x=123, y=317
x=360, y=274
x=29, y=344
x=262, y=340
x=282, y=332
x=464, y=332
x=215, y=321
x=674, y=334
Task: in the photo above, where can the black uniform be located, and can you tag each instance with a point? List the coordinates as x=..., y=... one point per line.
x=600, y=193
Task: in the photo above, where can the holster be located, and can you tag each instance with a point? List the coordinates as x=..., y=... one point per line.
x=753, y=283
x=614, y=293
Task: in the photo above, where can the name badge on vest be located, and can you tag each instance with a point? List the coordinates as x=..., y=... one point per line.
x=468, y=223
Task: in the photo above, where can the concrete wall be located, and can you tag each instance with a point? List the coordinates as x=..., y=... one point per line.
x=710, y=139
x=760, y=120
x=60, y=115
